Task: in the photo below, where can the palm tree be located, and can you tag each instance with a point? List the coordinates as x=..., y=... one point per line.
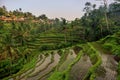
x=20, y=9
x=44, y=20
x=65, y=29
x=106, y=18
x=105, y=14
x=87, y=8
x=22, y=33
x=8, y=48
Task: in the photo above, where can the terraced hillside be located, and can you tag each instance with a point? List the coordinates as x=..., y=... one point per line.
x=61, y=46
x=50, y=41
x=45, y=65
x=88, y=61
x=108, y=68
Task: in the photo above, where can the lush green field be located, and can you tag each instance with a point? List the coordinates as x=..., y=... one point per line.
x=39, y=48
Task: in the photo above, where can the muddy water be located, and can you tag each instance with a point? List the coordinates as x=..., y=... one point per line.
x=109, y=66
x=21, y=76
x=45, y=65
x=49, y=68
x=71, y=56
x=39, y=61
x=46, y=77
x=80, y=69
x=34, y=74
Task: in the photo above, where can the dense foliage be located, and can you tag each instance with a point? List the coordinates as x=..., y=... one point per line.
x=23, y=35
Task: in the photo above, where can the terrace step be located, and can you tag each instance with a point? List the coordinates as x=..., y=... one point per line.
x=45, y=73
x=35, y=74
x=39, y=61
x=109, y=65
x=80, y=69
x=70, y=57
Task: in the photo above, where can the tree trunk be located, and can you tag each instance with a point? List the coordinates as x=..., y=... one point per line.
x=65, y=36
x=106, y=18
x=101, y=30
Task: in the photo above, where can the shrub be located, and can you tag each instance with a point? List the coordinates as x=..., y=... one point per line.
x=58, y=76
x=108, y=46
x=116, y=51
x=93, y=58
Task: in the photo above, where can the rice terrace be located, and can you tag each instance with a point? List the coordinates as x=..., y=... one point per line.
x=60, y=40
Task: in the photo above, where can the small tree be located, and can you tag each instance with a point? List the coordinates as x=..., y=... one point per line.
x=64, y=25
x=105, y=13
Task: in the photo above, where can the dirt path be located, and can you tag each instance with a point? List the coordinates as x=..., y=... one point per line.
x=108, y=68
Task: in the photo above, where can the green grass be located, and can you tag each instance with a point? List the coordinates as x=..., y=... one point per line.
x=64, y=75
x=25, y=68
x=91, y=73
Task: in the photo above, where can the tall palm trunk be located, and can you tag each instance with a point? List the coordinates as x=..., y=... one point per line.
x=65, y=35
x=106, y=18
x=10, y=53
x=101, y=31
